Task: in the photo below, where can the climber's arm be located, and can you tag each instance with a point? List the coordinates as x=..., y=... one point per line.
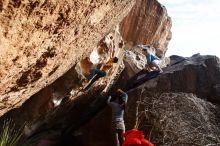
x=124, y=95
x=108, y=100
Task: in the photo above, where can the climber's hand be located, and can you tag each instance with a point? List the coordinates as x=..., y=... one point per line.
x=119, y=90
x=147, y=69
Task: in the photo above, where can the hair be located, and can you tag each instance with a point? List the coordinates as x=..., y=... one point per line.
x=102, y=47
x=115, y=59
x=118, y=97
x=144, y=49
x=121, y=101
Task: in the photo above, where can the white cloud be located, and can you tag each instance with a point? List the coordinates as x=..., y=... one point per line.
x=195, y=26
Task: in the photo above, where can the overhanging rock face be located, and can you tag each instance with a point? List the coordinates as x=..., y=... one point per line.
x=42, y=40
x=48, y=39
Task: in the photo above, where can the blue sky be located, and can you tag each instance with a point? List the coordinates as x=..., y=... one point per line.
x=195, y=27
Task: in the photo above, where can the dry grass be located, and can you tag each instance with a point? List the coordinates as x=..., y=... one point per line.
x=178, y=119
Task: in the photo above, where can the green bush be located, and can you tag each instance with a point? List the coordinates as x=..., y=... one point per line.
x=9, y=136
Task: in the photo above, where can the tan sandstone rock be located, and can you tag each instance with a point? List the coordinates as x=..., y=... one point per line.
x=49, y=38
x=42, y=40
x=147, y=23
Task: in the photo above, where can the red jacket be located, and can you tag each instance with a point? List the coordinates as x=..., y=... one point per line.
x=135, y=137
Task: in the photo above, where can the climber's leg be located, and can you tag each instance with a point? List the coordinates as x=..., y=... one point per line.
x=96, y=75
x=120, y=137
x=156, y=63
x=100, y=73
x=119, y=129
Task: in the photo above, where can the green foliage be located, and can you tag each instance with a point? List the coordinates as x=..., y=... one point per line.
x=9, y=136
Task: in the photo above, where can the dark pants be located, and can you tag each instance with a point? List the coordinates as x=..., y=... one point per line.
x=118, y=129
x=99, y=73
x=118, y=137
x=94, y=75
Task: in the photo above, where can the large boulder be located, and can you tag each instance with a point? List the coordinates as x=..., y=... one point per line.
x=198, y=74
x=172, y=109
x=181, y=105
x=48, y=39
x=180, y=119
x=42, y=40
x=147, y=23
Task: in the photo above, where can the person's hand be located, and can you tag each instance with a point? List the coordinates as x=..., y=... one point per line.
x=102, y=60
x=119, y=90
x=147, y=69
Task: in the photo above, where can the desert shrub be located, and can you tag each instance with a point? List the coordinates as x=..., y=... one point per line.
x=9, y=136
x=178, y=119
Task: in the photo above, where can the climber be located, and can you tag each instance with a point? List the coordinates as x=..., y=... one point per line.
x=153, y=62
x=151, y=70
x=102, y=50
x=118, y=108
x=96, y=72
x=135, y=137
x=108, y=66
